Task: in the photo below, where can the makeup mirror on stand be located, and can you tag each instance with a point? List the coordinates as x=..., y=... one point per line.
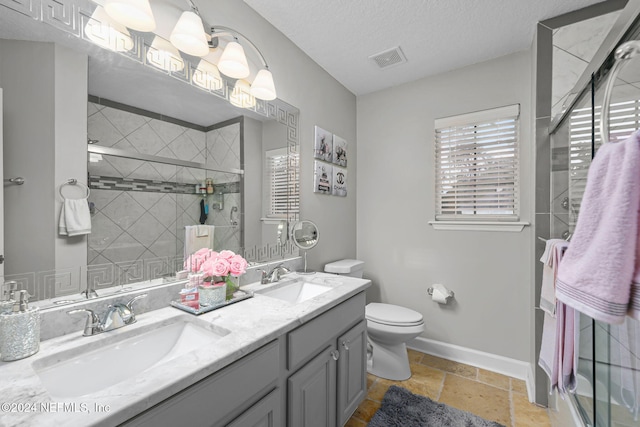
x=305, y=236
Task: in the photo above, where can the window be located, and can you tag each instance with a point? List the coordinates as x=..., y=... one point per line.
x=624, y=119
x=283, y=194
x=477, y=166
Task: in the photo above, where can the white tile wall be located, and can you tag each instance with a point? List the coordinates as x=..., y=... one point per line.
x=136, y=231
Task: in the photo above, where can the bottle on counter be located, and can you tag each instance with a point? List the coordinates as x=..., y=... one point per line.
x=7, y=295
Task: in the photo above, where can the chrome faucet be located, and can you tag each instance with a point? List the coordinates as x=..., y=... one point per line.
x=274, y=275
x=117, y=316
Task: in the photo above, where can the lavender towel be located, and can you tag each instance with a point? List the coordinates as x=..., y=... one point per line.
x=560, y=334
x=596, y=272
x=551, y=259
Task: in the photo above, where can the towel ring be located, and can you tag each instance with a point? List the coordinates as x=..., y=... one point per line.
x=623, y=54
x=73, y=181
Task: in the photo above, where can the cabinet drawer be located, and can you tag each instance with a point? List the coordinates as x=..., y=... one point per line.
x=308, y=339
x=216, y=397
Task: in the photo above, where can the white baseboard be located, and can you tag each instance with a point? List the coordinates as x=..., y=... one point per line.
x=491, y=362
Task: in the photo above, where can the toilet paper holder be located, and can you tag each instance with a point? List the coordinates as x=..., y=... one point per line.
x=450, y=294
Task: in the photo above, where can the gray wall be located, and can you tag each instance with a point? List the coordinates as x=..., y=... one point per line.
x=322, y=101
x=252, y=182
x=70, y=106
x=490, y=272
x=42, y=104
x=26, y=75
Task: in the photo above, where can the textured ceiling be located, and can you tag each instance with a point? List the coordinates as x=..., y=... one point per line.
x=435, y=35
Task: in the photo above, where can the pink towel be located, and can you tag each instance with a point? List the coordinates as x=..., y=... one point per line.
x=551, y=257
x=634, y=298
x=596, y=272
x=548, y=359
x=567, y=336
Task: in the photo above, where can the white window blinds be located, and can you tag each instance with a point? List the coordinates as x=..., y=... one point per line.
x=624, y=119
x=283, y=193
x=477, y=165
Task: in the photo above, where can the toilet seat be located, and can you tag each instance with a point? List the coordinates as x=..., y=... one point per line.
x=392, y=315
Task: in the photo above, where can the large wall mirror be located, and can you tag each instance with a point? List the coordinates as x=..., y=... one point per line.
x=146, y=140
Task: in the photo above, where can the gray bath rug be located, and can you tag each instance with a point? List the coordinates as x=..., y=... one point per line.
x=401, y=408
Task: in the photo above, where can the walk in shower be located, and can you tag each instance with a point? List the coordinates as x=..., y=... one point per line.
x=608, y=372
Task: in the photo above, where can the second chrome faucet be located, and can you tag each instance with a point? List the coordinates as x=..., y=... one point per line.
x=116, y=316
x=274, y=275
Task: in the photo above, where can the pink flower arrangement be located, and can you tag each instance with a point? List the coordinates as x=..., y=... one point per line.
x=214, y=265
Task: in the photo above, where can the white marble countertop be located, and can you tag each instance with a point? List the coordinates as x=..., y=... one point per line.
x=254, y=322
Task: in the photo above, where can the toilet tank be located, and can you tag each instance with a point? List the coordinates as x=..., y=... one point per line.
x=346, y=267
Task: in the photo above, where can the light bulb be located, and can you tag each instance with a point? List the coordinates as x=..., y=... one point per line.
x=162, y=54
x=102, y=30
x=233, y=62
x=207, y=76
x=241, y=95
x=188, y=35
x=135, y=14
x=263, y=87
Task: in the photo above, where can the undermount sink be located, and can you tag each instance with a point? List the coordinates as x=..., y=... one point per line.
x=94, y=368
x=296, y=292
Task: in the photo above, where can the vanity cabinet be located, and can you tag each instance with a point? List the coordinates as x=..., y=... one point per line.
x=352, y=371
x=312, y=376
x=247, y=389
x=327, y=356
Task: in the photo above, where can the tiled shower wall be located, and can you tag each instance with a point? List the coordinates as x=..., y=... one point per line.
x=140, y=208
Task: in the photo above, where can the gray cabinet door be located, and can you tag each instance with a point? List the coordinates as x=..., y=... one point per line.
x=352, y=373
x=265, y=413
x=311, y=392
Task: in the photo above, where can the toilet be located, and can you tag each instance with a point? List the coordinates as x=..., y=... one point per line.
x=389, y=328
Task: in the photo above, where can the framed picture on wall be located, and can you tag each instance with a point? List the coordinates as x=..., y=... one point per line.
x=323, y=178
x=323, y=149
x=339, y=181
x=339, y=151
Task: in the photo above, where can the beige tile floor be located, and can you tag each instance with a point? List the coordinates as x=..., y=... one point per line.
x=492, y=396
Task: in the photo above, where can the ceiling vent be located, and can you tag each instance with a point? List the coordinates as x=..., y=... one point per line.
x=389, y=58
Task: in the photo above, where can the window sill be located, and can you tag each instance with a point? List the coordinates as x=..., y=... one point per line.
x=272, y=221
x=514, y=227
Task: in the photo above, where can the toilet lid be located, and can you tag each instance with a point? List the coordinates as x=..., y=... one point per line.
x=393, y=315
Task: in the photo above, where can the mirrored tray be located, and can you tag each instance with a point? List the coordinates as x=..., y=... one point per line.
x=239, y=295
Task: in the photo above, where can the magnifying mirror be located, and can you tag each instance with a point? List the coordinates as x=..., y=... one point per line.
x=305, y=236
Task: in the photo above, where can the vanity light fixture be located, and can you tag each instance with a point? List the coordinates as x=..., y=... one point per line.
x=188, y=35
x=233, y=62
x=135, y=14
x=262, y=86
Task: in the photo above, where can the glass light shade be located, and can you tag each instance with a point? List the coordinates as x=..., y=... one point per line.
x=188, y=35
x=135, y=14
x=207, y=76
x=107, y=33
x=233, y=62
x=162, y=54
x=263, y=87
x=241, y=95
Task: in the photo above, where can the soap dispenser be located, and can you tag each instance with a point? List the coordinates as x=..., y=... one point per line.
x=7, y=296
x=19, y=330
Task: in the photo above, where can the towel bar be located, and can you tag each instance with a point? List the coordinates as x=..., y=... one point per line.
x=73, y=181
x=623, y=54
